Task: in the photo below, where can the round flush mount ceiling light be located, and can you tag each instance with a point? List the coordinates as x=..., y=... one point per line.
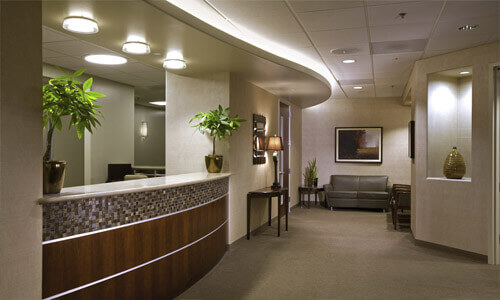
x=136, y=48
x=105, y=59
x=468, y=27
x=174, y=64
x=357, y=87
x=464, y=73
x=80, y=25
x=349, y=61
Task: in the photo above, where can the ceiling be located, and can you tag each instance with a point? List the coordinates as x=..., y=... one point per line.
x=119, y=20
x=384, y=45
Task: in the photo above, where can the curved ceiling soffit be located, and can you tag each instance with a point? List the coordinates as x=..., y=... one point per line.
x=201, y=16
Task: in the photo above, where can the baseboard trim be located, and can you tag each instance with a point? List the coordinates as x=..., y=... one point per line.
x=464, y=253
x=260, y=228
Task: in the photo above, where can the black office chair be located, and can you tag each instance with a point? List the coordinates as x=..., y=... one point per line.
x=116, y=172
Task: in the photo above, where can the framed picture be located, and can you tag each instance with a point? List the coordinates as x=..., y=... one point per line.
x=411, y=139
x=358, y=144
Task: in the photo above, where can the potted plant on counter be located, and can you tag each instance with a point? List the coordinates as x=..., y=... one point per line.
x=311, y=174
x=66, y=96
x=218, y=124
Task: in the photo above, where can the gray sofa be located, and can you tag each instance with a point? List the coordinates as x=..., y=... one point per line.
x=357, y=192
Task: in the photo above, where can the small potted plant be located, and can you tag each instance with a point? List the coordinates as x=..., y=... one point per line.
x=311, y=174
x=66, y=96
x=218, y=124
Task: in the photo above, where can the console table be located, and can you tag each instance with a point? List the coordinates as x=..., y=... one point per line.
x=309, y=190
x=269, y=193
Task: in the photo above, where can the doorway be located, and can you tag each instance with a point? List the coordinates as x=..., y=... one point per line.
x=494, y=253
x=284, y=131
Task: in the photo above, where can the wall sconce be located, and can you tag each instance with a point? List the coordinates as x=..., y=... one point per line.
x=144, y=130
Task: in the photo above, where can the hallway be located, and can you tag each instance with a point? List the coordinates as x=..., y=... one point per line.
x=343, y=255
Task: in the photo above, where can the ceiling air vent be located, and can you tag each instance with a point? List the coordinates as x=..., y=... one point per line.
x=399, y=46
x=342, y=51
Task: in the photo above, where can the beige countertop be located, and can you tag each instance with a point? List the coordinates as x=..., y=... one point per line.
x=130, y=186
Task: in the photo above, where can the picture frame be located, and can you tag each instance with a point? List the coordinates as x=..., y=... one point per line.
x=359, y=145
x=411, y=139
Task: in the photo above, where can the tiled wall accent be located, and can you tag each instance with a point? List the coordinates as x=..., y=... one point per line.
x=78, y=216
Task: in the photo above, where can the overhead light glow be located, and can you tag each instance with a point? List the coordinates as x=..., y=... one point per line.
x=358, y=87
x=464, y=72
x=80, y=25
x=159, y=103
x=468, y=27
x=105, y=59
x=349, y=61
x=174, y=64
x=136, y=48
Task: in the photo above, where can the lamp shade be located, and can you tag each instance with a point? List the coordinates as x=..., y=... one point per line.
x=274, y=143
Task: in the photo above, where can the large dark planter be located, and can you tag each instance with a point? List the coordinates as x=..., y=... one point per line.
x=213, y=163
x=53, y=176
x=310, y=182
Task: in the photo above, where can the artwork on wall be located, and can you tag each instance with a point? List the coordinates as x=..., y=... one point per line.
x=259, y=139
x=358, y=144
x=411, y=139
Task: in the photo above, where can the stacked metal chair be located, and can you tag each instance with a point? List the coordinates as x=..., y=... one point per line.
x=400, y=201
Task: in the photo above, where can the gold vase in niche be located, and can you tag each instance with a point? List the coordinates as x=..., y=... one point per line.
x=213, y=163
x=454, y=165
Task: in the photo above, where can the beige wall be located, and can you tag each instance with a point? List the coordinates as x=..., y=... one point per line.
x=449, y=121
x=20, y=150
x=186, y=148
x=186, y=96
x=149, y=151
x=451, y=213
x=318, y=140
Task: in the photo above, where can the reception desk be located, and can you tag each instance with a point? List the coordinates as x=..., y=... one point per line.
x=142, y=239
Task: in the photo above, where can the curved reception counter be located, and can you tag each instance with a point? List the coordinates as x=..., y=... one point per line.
x=141, y=239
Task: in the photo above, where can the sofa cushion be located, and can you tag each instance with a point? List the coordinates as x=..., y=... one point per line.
x=345, y=182
x=343, y=194
x=373, y=195
x=372, y=183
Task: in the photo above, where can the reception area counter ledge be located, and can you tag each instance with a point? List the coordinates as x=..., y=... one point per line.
x=128, y=240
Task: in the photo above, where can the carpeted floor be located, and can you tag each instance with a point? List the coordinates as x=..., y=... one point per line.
x=343, y=254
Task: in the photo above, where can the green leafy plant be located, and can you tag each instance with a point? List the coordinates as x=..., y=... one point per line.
x=311, y=171
x=66, y=96
x=217, y=123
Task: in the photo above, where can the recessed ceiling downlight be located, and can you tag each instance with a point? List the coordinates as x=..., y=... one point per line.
x=174, y=64
x=80, y=25
x=105, y=59
x=159, y=103
x=464, y=73
x=357, y=87
x=136, y=48
x=349, y=61
x=468, y=27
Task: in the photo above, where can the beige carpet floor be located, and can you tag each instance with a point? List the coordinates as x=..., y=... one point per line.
x=343, y=254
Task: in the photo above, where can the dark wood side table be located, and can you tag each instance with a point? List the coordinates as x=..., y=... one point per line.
x=309, y=190
x=269, y=193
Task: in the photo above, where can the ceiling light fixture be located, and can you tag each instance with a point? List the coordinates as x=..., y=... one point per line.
x=349, y=61
x=464, y=72
x=105, y=59
x=468, y=27
x=80, y=25
x=136, y=48
x=358, y=87
x=159, y=103
x=174, y=64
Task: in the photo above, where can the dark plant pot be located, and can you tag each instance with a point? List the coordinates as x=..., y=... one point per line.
x=315, y=182
x=308, y=182
x=53, y=176
x=213, y=163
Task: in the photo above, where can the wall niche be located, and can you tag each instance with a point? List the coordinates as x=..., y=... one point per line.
x=449, y=119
